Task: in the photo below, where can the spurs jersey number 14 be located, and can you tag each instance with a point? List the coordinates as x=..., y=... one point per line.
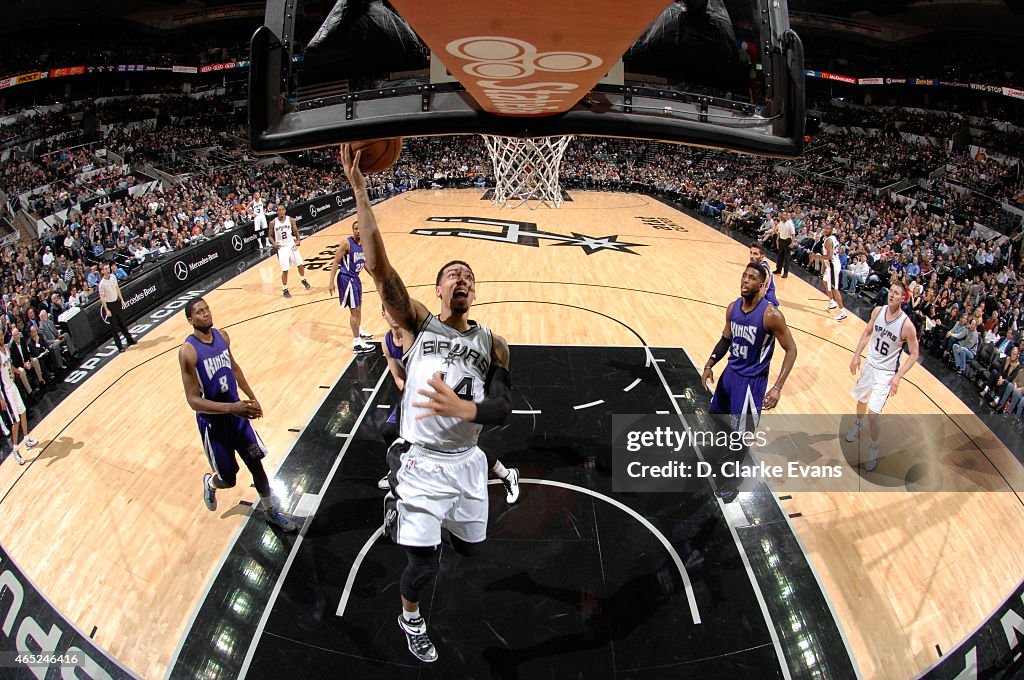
x=464, y=360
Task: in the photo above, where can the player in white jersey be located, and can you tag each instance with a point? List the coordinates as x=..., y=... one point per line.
x=284, y=236
x=259, y=219
x=830, y=274
x=885, y=335
x=457, y=381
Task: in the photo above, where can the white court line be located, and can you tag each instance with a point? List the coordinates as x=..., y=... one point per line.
x=367, y=389
x=244, y=669
x=343, y=434
x=306, y=505
x=525, y=413
x=572, y=487
x=732, y=530
x=631, y=385
x=593, y=403
x=350, y=581
x=383, y=405
x=662, y=413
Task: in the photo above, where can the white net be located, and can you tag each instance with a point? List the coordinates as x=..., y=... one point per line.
x=526, y=170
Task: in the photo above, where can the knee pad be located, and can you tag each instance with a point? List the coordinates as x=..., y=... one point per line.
x=418, y=572
x=464, y=548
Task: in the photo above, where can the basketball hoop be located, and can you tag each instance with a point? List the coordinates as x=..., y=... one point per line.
x=526, y=170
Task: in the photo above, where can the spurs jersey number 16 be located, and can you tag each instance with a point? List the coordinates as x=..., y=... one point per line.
x=464, y=360
x=886, y=342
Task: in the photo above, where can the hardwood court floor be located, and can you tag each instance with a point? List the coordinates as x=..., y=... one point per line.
x=108, y=519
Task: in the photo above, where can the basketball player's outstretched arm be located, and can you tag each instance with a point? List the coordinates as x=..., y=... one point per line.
x=494, y=409
x=720, y=350
x=865, y=338
x=194, y=393
x=910, y=338
x=408, y=313
x=776, y=323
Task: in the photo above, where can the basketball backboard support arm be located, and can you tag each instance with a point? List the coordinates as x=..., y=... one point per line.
x=277, y=125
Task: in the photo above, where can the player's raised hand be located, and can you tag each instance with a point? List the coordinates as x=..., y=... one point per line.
x=442, y=401
x=855, y=364
x=350, y=161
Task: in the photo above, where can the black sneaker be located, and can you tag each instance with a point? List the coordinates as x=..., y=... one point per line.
x=416, y=635
x=305, y=284
x=286, y=293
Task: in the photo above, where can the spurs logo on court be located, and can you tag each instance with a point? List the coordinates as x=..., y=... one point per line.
x=526, y=234
x=497, y=59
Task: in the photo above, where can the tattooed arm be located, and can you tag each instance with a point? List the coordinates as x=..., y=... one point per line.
x=408, y=313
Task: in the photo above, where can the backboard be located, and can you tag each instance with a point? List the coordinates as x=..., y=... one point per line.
x=716, y=73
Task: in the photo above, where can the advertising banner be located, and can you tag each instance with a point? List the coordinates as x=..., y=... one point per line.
x=321, y=209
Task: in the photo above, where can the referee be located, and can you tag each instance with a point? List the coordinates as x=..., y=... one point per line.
x=785, y=229
x=113, y=303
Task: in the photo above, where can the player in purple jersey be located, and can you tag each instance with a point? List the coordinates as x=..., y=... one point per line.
x=757, y=257
x=752, y=324
x=348, y=262
x=212, y=379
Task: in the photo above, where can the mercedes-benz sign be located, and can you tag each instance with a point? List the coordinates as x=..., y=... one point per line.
x=180, y=270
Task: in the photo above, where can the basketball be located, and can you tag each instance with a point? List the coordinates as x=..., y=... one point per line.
x=378, y=154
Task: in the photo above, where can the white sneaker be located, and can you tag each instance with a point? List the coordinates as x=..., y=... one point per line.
x=854, y=432
x=30, y=443
x=362, y=348
x=17, y=456
x=276, y=517
x=511, y=483
x=365, y=336
x=831, y=305
x=842, y=315
x=383, y=484
x=872, y=458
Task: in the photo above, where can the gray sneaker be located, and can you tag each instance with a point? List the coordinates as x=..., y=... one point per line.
x=275, y=517
x=286, y=293
x=416, y=635
x=209, y=493
x=17, y=456
x=30, y=443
